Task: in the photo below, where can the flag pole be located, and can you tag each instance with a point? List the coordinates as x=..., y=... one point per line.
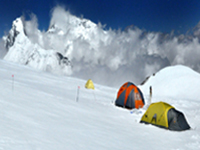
x=13, y=83
x=77, y=96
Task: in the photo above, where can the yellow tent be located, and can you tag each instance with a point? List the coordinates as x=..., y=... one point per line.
x=166, y=116
x=157, y=114
x=89, y=84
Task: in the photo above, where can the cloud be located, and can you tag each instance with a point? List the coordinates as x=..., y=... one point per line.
x=31, y=28
x=2, y=49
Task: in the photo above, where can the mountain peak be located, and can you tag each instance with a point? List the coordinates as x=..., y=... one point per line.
x=72, y=26
x=16, y=30
x=18, y=25
x=23, y=51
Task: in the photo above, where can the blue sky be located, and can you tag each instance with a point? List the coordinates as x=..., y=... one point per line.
x=151, y=15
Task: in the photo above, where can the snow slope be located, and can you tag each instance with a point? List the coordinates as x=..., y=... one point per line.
x=39, y=111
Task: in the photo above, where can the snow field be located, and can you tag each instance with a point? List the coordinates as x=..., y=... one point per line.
x=39, y=111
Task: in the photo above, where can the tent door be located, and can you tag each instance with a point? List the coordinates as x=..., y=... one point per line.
x=154, y=118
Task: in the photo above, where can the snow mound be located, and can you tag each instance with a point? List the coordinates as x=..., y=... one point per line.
x=179, y=82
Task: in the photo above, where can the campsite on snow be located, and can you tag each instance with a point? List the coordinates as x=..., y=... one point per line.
x=40, y=111
x=77, y=86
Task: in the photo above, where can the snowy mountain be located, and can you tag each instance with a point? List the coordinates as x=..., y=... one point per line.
x=74, y=27
x=79, y=34
x=78, y=47
x=39, y=111
x=23, y=51
x=43, y=51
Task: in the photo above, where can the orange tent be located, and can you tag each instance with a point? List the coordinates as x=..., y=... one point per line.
x=129, y=96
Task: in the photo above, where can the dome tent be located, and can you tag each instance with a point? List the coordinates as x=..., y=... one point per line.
x=129, y=96
x=166, y=116
x=89, y=84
